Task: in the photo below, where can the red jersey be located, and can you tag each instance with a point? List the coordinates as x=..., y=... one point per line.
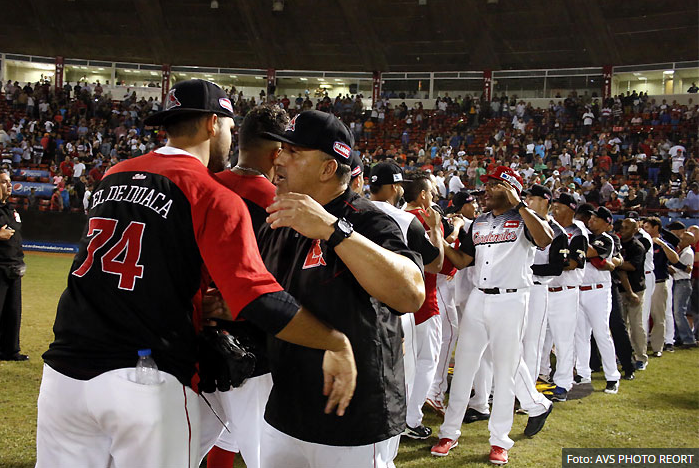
x=429, y=307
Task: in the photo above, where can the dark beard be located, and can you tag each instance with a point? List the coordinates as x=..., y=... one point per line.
x=217, y=163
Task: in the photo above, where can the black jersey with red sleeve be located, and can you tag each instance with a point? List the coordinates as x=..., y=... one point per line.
x=156, y=225
x=258, y=193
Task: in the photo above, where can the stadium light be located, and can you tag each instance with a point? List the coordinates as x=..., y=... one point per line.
x=422, y=2
x=277, y=5
x=214, y=4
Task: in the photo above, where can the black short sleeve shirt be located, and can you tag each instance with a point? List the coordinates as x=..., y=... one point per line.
x=311, y=272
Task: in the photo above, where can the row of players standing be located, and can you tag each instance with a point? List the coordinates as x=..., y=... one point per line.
x=588, y=282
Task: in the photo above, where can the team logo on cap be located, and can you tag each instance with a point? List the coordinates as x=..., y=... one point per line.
x=509, y=178
x=397, y=177
x=171, y=100
x=374, y=178
x=291, y=126
x=226, y=104
x=342, y=149
x=356, y=171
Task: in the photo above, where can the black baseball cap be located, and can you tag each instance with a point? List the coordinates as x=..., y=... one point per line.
x=320, y=131
x=192, y=97
x=459, y=200
x=356, y=165
x=386, y=173
x=633, y=215
x=604, y=214
x=586, y=209
x=565, y=198
x=538, y=190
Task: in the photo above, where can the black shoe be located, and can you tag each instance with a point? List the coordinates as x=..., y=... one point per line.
x=669, y=348
x=629, y=375
x=612, y=387
x=419, y=432
x=472, y=416
x=689, y=345
x=536, y=423
x=14, y=357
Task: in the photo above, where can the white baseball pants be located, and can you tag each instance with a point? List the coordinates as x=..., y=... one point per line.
x=243, y=410
x=669, y=316
x=495, y=320
x=450, y=331
x=593, y=317
x=562, y=320
x=647, y=299
x=428, y=340
x=282, y=450
x=482, y=384
x=111, y=421
x=535, y=331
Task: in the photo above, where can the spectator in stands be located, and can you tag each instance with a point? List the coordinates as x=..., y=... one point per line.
x=691, y=202
x=56, y=203
x=614, y=203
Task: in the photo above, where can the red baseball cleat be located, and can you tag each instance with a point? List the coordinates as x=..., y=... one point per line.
x=443, y=446
x=498, y=455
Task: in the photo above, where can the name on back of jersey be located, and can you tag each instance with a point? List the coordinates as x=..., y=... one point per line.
x=144, y=196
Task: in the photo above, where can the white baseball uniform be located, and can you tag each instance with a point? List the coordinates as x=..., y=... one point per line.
x=242, y=409
x=595, y=307
x=563, y=306
x=648, y=267
x=495, y=313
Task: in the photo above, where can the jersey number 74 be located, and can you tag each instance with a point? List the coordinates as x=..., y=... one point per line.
x=101, y=230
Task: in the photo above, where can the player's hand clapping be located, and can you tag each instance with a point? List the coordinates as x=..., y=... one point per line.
x=301, y=213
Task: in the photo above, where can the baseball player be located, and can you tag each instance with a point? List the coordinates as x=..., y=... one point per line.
x=648, y=268
x=595, y=303
x=243, y=407
x=386, y=188
x=428, y=332
x=563, y=296
x=463, y=210
x=502, y=243
x=663, y=254
x=158, y=227
x=633, y=281
x=342, y=258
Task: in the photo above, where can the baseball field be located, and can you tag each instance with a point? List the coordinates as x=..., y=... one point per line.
x=658, y=409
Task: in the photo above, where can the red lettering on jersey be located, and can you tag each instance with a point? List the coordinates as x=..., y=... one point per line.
x=314, y=257
x=511, y=224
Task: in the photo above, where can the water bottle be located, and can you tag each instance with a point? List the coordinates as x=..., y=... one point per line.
x=146, y=369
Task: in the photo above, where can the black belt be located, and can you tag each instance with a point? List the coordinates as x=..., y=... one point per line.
x=497, y=290
x=537, y=283
x=560, y=288
x=676, y=281
x=660, y=281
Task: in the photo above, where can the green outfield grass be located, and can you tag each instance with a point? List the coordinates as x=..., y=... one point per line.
x=659, y=409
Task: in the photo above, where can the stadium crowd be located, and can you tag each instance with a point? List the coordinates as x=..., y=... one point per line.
x=574, y=163
x=626, y=153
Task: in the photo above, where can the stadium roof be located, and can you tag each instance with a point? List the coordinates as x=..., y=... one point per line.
x=357, y=35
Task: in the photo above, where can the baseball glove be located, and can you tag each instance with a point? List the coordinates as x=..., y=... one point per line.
x=224, y=363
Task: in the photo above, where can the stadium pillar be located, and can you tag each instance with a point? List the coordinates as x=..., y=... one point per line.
x=3, y=68
x=376, y=88
x=165, y=85
x=488, y=85
x=606, y=82
x=271, y=82
x=58, y=78
x=432, y=96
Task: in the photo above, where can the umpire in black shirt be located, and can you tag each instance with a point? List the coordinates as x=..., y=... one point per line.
x=345, y=261
x=11, y=271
